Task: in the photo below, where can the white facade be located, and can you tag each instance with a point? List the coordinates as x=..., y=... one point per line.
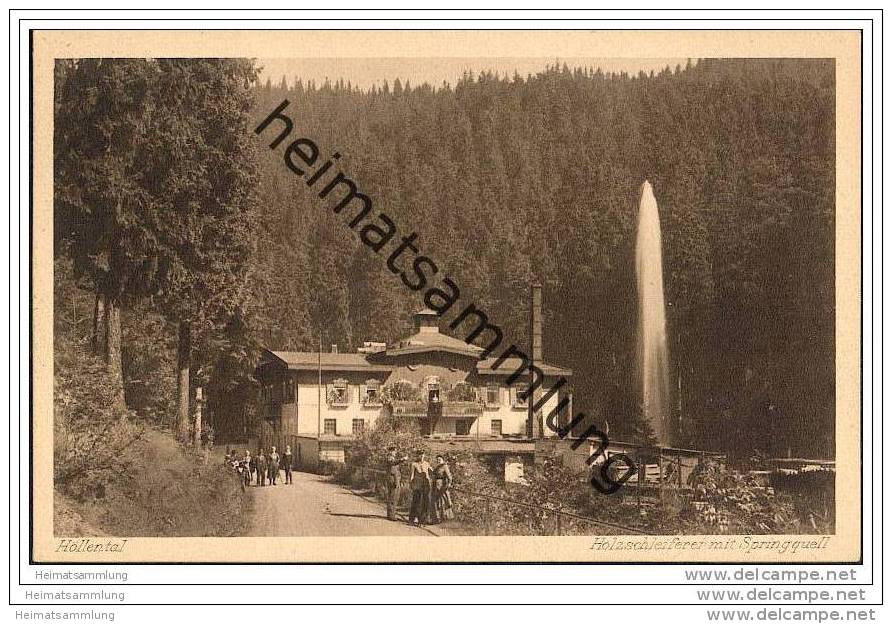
x=317, y=402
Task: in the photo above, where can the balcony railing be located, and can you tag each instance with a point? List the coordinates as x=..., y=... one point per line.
x=461, y=409
x=436, y=409
x=411, y=409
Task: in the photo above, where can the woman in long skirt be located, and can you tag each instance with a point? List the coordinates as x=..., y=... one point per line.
x=441, y=498
x=420, y=482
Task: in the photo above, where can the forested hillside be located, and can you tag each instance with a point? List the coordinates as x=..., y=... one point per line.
x=514, y=179
x=184, y=244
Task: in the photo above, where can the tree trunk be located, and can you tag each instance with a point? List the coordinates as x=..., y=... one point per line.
x=184, y=349
x=98, y=339
x=196, y=435
x=112, y=346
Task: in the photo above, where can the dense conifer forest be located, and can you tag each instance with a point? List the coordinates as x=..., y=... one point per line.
x=507, y=180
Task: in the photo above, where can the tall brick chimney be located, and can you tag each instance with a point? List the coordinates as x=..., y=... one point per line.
x=536, y=355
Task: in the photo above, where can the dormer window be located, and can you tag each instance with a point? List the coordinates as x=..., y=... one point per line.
x=338, y=394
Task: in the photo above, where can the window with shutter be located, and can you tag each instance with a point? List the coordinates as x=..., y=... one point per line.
x=518, y=400
x=338, y=393
x=370, y=392
x=492, y=395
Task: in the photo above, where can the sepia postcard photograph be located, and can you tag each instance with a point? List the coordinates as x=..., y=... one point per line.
x=446, y=296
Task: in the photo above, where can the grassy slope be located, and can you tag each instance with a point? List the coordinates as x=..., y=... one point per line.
x=168, y=491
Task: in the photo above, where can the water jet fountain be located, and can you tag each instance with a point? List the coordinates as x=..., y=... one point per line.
x=653, y=352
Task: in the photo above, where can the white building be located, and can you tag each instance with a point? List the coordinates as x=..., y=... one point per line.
x=317, y=402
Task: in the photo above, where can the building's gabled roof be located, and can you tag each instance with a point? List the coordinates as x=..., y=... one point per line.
x=423, y=341
x=360, y=362
x=427, y=338
x=309, y=360
x=510, y=365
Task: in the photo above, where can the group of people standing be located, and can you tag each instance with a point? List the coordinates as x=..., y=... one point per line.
x=429, y=486
x=265, y=467
x=430, y=497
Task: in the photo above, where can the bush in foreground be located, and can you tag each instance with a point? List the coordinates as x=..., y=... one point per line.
x=91, y=436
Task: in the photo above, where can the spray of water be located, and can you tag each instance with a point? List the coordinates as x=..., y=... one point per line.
x=653, y=354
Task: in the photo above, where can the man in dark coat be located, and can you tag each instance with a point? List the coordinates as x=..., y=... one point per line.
x=273, y=466
x=287, y=463
x=393, y=478
x=261, y=468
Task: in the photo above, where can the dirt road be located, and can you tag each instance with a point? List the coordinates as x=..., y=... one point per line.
x=313, y=506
